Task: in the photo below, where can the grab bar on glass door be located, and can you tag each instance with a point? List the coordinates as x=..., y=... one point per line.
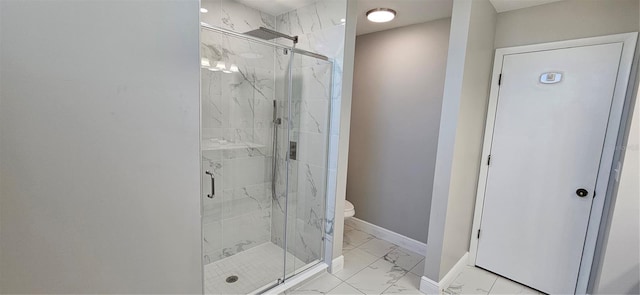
x=213, y=185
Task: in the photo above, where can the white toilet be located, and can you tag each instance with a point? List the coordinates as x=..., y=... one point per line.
x=349, y=210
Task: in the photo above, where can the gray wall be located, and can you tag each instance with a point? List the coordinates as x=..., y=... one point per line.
x=99, y=147
x=564, y=20
x=461, y=128
x=397, y=96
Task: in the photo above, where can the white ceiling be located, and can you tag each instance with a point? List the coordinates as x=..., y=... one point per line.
x=276, y=7
x=409, y=12
x=507, y=5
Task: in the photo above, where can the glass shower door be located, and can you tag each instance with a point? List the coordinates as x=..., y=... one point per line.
x=238, y=92
x=310, y=105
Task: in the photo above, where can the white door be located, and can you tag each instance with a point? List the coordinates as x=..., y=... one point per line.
x=552, y=114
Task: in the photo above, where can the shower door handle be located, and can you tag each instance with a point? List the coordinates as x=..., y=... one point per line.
x=213, y=184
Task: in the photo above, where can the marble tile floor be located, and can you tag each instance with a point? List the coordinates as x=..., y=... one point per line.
x=255, y=268
x=475, y=280
x=371, y=266
x=376, y=266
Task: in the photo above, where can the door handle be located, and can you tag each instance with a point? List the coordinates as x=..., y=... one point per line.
x=582, y=192
x=213, y=184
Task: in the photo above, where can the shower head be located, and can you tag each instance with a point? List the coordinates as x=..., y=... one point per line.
x=262, y=33
x=268, y=34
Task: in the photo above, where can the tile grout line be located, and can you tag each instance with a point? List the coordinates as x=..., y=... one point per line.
x=358, y=246
x=385, y=290
x=395, y=247
x=454, y=280
x=355, y=288
x=351, y=276
x=415, y=267
x=492, y=285
x=345, y=280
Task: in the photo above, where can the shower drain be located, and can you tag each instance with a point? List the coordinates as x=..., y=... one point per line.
x=232, y=279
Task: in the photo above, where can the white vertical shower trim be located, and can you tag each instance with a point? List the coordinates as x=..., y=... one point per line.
x=345, y=123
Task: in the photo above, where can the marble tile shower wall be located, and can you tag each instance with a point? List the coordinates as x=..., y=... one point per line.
x=236, y=130
x=316, y=97
x=231, y=15
x=237, y=108
x=308, y=126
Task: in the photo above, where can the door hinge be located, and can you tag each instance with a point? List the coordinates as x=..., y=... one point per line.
x=478, y=233
x=500, y=80
x=489, y=161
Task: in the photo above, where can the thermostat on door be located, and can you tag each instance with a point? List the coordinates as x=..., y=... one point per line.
x=550, y=78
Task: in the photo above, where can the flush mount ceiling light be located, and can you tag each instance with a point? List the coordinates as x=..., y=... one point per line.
x=381, y=15
x=204, y=10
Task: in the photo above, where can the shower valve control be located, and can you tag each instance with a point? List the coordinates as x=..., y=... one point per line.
x=293, y=150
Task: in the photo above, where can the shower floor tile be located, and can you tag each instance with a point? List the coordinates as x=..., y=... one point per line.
x=256, y=268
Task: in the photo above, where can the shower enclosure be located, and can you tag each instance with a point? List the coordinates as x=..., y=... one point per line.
x=265, y=118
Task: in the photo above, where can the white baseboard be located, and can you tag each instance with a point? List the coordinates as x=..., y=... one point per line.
x=428, y=286
x=337, y=264
x=387, y=235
